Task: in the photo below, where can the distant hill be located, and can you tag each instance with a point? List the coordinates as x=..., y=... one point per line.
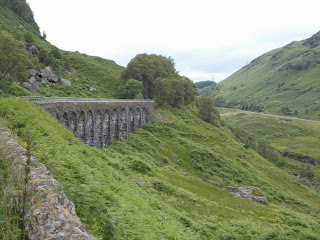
x=284, y=80
x=203, y=84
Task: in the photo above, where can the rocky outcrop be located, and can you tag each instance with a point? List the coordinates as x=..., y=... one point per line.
x=301, y=158
x=43, y=76
x=49, y=75
x=33, y=72
x=31, y=86
x=249, y=192
x=65, y=82
x=314, y=41
x=32, y=80
x=21, y=28
x=53, y=214
x=92, y=89
x=71, y=71
x=33, y=49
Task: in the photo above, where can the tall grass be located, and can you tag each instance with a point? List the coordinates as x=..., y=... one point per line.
x=136, y=189
x=9, y=195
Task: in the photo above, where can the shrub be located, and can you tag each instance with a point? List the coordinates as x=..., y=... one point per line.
x=138, y=165
x=28, y=37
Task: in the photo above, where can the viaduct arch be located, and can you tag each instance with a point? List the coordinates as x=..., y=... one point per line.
x=99, y=123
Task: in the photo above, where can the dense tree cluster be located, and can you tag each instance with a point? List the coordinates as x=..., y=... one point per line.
x=131, y=89
x=207, y=110
x=203, y=84
x=159, y=79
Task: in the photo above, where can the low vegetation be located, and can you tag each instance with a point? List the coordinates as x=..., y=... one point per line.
x=295, y=140
x=9, y=202
x=167, y=181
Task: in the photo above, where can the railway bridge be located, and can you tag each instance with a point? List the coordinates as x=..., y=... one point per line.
x=98, y=122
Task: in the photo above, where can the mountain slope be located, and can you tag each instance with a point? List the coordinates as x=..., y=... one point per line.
x=82, y=71
x=285, y=81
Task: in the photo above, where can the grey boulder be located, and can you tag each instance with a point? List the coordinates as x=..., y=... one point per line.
x=32, y=87
x=32, y=80
x=33, y=49
x=249, y=192
x=65, y=82
x=49, y=75
x=33, y=72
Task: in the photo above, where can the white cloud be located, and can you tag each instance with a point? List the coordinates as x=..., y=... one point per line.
x=204, y=37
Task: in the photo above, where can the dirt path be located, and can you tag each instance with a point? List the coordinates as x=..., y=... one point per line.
x=272, y=115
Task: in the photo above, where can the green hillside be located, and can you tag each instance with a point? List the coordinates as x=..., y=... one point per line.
x=167, y=181
x=19, y=32
x=298, y=141
x=285, y=81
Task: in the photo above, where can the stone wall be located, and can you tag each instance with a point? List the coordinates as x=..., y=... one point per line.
x=100, y=123
x=53, y=215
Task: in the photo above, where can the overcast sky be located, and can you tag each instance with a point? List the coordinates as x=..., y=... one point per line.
x=206, y=38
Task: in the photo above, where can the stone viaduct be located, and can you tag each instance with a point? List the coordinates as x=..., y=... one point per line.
x=100, y=122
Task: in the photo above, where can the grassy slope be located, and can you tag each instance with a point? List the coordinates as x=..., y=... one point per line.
x=102, y=74
x=170, y=205
x=258, y=81
x=294, y=136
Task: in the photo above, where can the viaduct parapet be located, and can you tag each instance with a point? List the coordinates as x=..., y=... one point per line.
x=99, y=123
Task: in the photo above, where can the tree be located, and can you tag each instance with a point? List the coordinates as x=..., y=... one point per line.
x=131, y=89
x=207, y=110
x=203, y=84
x=175, y=91
x=147, y=68
x=14, y=59
x=169, y=90
x=44, y=36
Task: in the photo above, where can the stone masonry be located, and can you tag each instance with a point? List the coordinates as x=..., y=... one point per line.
x=100, y=123
x=53, y=215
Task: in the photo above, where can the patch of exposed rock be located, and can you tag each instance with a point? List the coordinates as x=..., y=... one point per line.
x=43, y=76
x=93, y=89
x=33, y=49
x=33, y=72
x=304, y=159
x=65, y=82
x=53, y=214
x=31, y=86
x=71, y=71
x=139, y=181
x=48, y=74
x=314, y=41
x=21, y=28
x=249, y=192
